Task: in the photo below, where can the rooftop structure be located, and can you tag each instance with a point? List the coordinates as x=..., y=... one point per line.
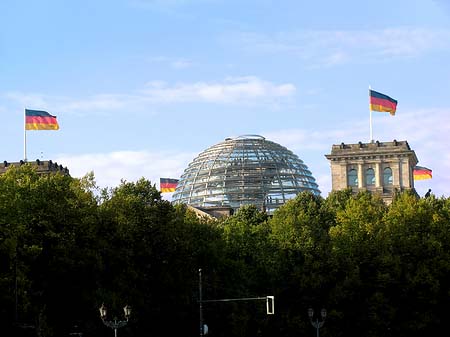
x=42, y=166
x=246, y=170
x=377, y=167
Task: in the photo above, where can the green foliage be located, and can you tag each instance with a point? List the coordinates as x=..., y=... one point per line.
x=245, y=235
x=69, y=247
x=41, y=222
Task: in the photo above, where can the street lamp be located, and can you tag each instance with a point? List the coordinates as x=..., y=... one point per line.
x=115, y=324
x=316, y=323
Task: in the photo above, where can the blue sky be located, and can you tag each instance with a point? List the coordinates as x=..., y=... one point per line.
x=141, y=87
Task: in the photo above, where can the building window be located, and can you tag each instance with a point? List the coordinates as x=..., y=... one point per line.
x=370, y=177
x=352, y=178
x=387, y=176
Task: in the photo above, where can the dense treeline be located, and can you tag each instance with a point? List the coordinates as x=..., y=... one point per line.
x=67, y=247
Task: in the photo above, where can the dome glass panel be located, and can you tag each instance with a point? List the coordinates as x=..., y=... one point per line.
x=247, y=170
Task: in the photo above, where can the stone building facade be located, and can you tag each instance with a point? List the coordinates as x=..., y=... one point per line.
x=41, y=166
x=377, y=167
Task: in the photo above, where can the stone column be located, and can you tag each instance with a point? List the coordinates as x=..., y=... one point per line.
x=360, y=175
x=378, y=175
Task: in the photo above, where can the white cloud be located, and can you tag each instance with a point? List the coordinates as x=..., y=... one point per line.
x=110, y=168
x=427, y=132
x=101, y=102
x=29, y=99
x=318, y=140
x=311, y=147
x=181, y=64
x=97, y=104
x=232, y=90
x=175, y=63
x=329, y=48
x=324, y=182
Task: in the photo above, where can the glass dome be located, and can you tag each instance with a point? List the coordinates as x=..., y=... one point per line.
x=247, y=170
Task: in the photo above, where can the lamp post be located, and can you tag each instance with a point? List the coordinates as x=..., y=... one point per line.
x=115, y=324
x=316, y=323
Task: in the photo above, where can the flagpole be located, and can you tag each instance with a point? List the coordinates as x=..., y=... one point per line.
x=370, y=117
x=24, y=135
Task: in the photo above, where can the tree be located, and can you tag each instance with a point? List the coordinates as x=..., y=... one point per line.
x=356, y=265
x=246, y=271
x=417, y=239
x=151, y=252
x=41, y=217
x=300, y=233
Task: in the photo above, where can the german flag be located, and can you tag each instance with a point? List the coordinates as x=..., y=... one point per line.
x=40, y=120
x=382, y=103
x=422, y=173
x=167, y=184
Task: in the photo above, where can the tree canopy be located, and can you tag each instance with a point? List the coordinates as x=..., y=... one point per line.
x=66, y=249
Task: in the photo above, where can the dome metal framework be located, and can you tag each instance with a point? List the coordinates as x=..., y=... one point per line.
x=246, y=170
